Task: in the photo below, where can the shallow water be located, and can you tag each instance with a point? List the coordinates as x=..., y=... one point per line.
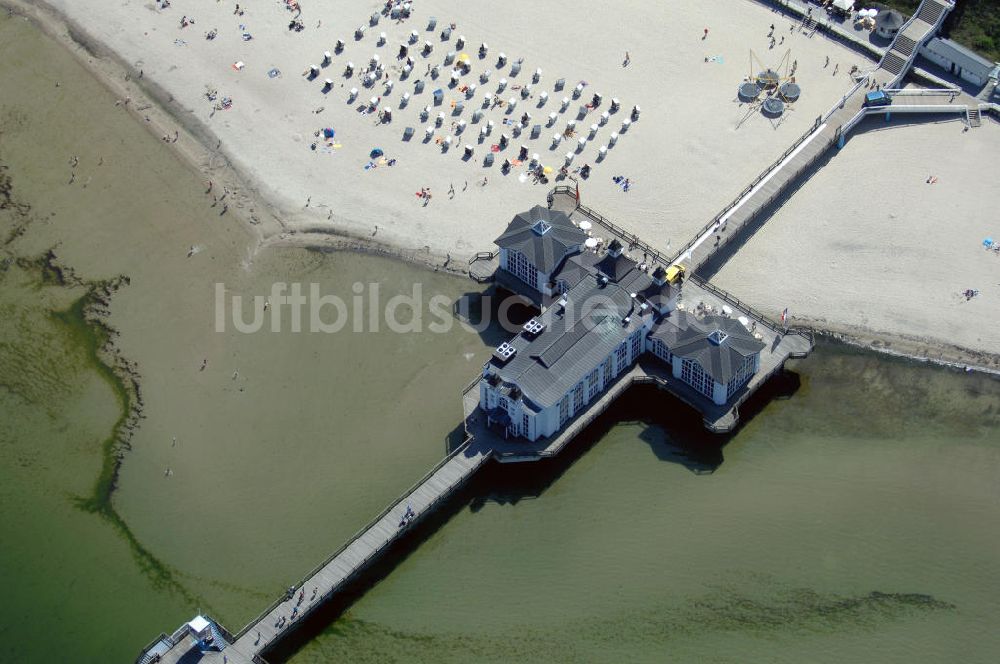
x=852, y=522
x=853, y=518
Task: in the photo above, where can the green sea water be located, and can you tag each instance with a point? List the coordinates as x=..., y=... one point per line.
x=854, y=521
x=851, y=519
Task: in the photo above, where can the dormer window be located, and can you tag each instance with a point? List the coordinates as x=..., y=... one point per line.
x=541, y=227
x=717, y=337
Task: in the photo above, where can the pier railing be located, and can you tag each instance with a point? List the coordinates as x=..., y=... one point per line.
x=631, y=238
x=843, y=100
x=737, y=303
x=250, y=625
x=715, y=290
x=483, y=256
x=739, y=197
x=171, y=640
x=145, y=657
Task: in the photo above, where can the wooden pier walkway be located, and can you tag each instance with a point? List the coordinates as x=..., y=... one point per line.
x=828, y=130
x=253, y=641
x=329, y=577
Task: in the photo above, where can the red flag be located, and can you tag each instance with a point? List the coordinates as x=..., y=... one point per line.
x=577, y=192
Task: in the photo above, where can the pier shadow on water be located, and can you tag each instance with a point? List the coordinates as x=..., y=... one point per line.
x=488, y=313
x=673, y=431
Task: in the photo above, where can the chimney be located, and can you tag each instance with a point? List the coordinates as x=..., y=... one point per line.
x=659, y=276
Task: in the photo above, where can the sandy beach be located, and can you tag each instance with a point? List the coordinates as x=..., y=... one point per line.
x=687, y=105
x=872, y=250
x=692, y=149
x=258, y=454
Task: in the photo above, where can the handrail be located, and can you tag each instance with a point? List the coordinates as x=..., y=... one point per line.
x=364, y=529
x=152, y=644
x=843, y=100
x=470, y=385
x=482, y=256
x=611, y=226
x=922, y=92
x=736, y=302
x=715, y=220
x=934, y=27
x=631, y=238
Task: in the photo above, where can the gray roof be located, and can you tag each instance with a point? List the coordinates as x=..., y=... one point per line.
x=574, y=342
x=577, y=268
x=617, y=267
x=889, y=19
x=960, y=55
x=721, y=361
x=544, y=236
x=577, y=339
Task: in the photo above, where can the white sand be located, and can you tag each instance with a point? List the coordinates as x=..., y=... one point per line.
x=685, y=155
x=867, y=246
x=689, y=154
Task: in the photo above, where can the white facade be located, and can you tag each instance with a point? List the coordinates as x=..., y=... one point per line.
x=692, y=373
x=531, y=425
x=958, y=60
x=517, y=264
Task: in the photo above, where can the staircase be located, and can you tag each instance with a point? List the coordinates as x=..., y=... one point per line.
x=904, y=45
x=922, y=26
x=973, y=118
x=893, y=63
x=930, y=12
x=218, y=641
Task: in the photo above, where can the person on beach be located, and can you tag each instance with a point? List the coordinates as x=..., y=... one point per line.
x=705, y=36
x=627, y=60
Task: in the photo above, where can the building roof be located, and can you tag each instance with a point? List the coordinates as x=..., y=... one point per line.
x=700, y=341
x=615, y=268
x=576, y=340
x=544, y=236
x=960, y=55
x=606, y=302
x=889, y=19
x=577, y=268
